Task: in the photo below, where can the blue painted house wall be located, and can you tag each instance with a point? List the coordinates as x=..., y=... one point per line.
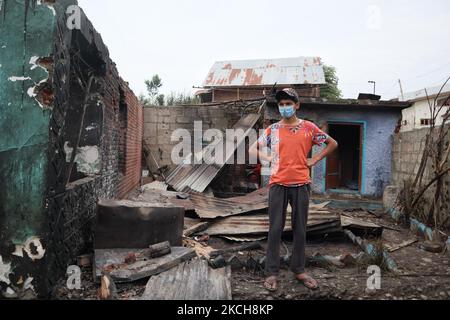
x=379, y=126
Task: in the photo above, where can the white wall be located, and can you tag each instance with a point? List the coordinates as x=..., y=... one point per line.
x=411, y=117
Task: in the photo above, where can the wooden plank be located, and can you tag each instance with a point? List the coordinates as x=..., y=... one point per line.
x=404, y=244
x=202, y=226
x=158, y=250
x=112, y=261
x=245, y=247
x=108, y=289
x=200, y=249
x=193, y=280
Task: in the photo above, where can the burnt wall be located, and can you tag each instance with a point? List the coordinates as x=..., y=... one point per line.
x=89, y=102
x=78, y=150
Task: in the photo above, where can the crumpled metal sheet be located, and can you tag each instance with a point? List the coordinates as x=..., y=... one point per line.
x=211, y=208
x=318, y=222
x=197, y=177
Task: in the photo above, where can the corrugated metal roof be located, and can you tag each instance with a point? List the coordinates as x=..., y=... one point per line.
x=287, y=71
x=197, y=177
x=211, y=208
x=259, y=224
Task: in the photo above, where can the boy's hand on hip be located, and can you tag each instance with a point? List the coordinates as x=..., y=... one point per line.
x=311, y=162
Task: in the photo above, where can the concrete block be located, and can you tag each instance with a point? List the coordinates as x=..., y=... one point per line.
x=164, y=111
x=129, y=224
x=163, y=126
x=390, y=196
x=184, y=120
x=150, y=129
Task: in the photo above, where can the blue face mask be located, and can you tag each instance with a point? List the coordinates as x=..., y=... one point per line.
x=287, y=111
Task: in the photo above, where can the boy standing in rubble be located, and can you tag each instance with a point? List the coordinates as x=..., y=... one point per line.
x=290, y=141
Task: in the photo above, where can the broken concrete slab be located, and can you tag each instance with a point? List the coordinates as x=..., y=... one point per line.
x=130, y=224
x=390, y=196
x=111, y=261
x=193, y=280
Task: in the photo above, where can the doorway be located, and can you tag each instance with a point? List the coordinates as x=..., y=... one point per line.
x=344, y=166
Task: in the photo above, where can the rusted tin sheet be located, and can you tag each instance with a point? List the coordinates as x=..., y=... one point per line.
x=211, y=208
x=287, y=71
x=197, y=177
x=259, y=224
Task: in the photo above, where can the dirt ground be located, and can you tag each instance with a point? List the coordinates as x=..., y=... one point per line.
x=424, y=275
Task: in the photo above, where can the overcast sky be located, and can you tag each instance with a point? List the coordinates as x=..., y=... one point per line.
x=380, y=40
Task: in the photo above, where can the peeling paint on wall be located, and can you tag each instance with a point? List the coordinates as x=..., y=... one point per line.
x=48, y=4
x=5, y=271
x=87, y=158
x=16, y=78
x=32, y=247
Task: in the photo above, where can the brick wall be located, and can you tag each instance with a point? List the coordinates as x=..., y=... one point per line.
x=71, y=209
x=133, y=145
x=407, y=152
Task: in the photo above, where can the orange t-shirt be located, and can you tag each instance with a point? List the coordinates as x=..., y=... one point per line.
x=290, y=146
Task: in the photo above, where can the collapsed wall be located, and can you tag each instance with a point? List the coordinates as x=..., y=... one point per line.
x=71, y=133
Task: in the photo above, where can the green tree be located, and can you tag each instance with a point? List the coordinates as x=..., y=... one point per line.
x=181, y=98
x=153, y=96
x=331, y=89
x=153, y=86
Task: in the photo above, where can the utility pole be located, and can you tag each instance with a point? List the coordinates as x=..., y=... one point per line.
x=374, y=86
x=401, y=89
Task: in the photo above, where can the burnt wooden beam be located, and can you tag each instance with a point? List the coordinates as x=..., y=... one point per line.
x=245, y=247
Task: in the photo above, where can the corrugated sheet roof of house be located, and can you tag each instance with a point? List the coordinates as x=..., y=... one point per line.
x=431, y=92
x=354, y=103
x=266, y=72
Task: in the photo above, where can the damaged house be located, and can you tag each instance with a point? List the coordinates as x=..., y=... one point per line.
x=71, y=133
x=363, y=127
x=73, y=139
x=248, y=79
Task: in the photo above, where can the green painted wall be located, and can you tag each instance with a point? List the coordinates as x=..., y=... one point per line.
x=24, y=34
